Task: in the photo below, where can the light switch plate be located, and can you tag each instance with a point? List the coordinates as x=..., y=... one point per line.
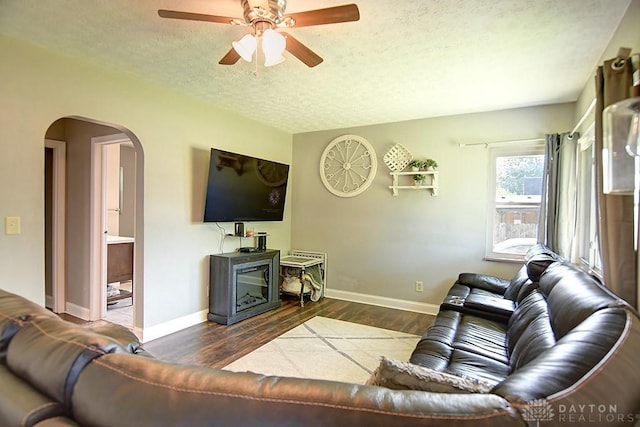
x=12, y=225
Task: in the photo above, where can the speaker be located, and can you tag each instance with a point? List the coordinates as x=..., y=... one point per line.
x=262, y=241
x=239, y=229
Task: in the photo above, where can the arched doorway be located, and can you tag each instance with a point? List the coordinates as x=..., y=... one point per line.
x=77, y=211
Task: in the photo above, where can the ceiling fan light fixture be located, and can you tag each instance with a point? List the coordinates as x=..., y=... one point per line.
x=273, y=45
x=245, y=47
x=263, y=16
x=270, y=61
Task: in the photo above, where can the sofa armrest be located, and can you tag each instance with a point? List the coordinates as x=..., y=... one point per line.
x=486, y=282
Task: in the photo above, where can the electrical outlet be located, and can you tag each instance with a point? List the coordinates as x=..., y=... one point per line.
x=419, y=286
x=12, y=225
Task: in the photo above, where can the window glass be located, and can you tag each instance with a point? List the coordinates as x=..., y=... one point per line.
x=587, y=252
x=515, y=211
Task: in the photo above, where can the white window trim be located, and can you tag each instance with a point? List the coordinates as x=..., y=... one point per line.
x=495, y=152
x=590, y=264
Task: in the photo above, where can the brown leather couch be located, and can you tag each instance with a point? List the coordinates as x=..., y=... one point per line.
x=571, y=343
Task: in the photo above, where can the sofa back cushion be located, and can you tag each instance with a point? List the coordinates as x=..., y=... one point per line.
x=572, y=296
x=519, y=280
x=529, y=331
x=50, y=353
x=537, y=259
x=14, y=311
x=21, y=404
x=577, y=354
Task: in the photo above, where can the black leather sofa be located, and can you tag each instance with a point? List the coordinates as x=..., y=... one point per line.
x=552, y=336
x=568, y=345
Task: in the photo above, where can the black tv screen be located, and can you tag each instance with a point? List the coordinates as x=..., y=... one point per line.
x=244, y=188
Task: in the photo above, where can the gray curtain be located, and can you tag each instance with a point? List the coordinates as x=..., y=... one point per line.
x=615, y=212
x=557, y=224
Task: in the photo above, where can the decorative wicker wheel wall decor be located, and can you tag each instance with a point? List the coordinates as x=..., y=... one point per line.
x=348, y=165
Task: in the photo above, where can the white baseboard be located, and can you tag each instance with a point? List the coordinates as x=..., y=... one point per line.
x=153, y=332
x=399, y=304
x=77, y=311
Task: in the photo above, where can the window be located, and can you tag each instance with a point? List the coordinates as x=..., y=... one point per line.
x=587, y=253
x=515, y=189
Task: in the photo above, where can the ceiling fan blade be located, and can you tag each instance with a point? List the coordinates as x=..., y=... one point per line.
x=301, y=52
x=230, y=58
x=330, y=15
x=174, y=14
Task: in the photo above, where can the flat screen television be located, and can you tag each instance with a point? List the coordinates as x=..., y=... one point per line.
x=244, y=188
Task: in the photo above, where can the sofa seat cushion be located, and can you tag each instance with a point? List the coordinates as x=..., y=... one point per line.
x=465, y=345
x=432, y=354
x=482, y=336
x=444, y=327
x=452, y=329
x=407, y=376
x=473, y=365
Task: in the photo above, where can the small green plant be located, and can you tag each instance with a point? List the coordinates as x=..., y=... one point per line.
x=419, y=178
x=415, y=164
x=429, y=164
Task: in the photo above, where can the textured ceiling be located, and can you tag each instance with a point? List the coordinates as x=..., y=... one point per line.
x=404, y=59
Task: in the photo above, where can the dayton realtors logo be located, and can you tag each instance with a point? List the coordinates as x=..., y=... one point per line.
x=541, y=411
x=538, y=410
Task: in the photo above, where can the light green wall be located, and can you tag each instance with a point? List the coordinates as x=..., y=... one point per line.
x=378, y=244
x=176, y=133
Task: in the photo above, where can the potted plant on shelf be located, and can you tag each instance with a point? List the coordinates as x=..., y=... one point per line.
x=430, y=164
x=418, y=179
x=415, y=165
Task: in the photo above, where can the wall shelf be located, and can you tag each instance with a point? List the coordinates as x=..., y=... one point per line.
x=431, y=179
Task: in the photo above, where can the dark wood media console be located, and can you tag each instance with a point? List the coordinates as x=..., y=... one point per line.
x=242, y=285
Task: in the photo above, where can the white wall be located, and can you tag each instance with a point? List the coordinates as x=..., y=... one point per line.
x=176, y=134
x=378, y=244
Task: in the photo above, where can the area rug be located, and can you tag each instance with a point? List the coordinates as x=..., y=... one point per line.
x=327, y=349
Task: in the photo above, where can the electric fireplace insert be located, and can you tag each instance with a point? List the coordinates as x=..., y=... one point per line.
x=242, y=285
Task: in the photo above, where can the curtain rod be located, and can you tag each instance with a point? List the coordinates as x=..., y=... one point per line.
x=487, y=144
x=522, y=141
x=584, y=116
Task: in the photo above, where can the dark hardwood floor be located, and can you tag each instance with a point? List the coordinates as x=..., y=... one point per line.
x=214, y=345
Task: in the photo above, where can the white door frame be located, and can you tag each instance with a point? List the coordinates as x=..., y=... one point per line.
x=58, y=217
x=98, y=234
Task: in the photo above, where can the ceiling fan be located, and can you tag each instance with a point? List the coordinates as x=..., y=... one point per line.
x=264, y=17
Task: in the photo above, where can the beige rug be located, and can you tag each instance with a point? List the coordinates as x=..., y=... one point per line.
x=329, y=349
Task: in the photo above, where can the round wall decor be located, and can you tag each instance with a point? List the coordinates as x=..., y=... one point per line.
x=348, y=165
